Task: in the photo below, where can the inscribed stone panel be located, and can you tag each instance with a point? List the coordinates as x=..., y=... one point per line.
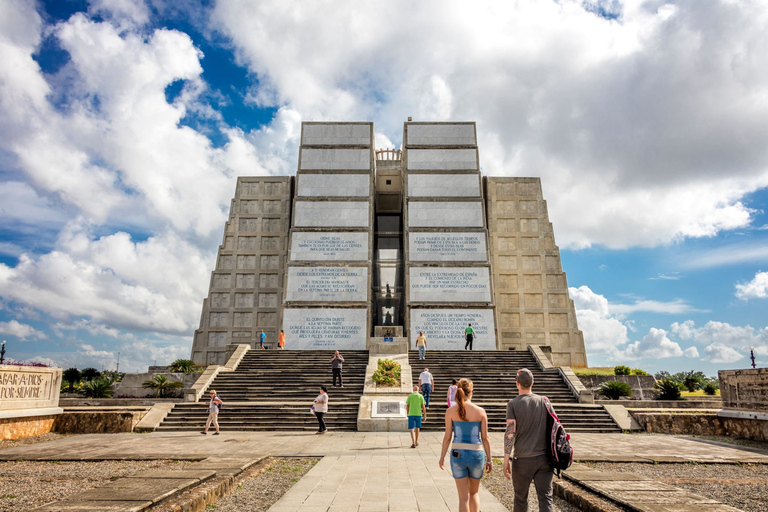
x=268, y=281
x=508, y=281
x=533, y=300
x=267, y=319
x=531, y=263
x=449, y=284
x=553, y=263
x=249, y=207
x=558, y=300
x=532, y=281
x=440, y=135
x=336, y=135
x=444, y=328
x=243, y=300
x=219, y=300
x=218, y=320
x=507, y=262
x=443, y=185
x=273, y=206
x=442, y=159
x=243, y=320
x=247, y=281
x=246, y=262
x=270, y=262
x=247, y=243
x=241, y=334
x=267, y=300
x=510, y=320
x=329, y=284
x=270, y=243
x=331, y=214
x=555, y=281
x=329, y=246
x=273, y=225
x=506, y=244
x=332, y=159
x=222, y=281
x=445, y=214
x=334, y=185
x=248, y=225
x=509, y=300
x=225, y=262
x=447, y=247
x=558, y=320
x=529, y=225
x=529, y=244
x=273, y=189
x=325, y=328
x=217, y=339
x=534, y=319
x=528, y=207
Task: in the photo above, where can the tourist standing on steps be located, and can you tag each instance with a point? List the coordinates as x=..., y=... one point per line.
x=213, y=413
x=471, y=448
x=526, y=437
x=452, y=393
x=336, y=361
x=427, y=383
x=321, y=407
x=281, y=340
x=415, y=405
x=469, y=335
x=421, y=345
x=262, y=339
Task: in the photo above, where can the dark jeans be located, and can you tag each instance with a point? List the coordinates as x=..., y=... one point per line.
x=470, y=339
x=337, y=373
x=321, y=421
x=538, y=470
x=426, y=390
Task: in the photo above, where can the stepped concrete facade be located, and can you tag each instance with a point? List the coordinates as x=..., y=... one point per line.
x=363, y=249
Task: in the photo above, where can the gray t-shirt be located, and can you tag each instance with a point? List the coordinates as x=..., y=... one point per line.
x=530, y=415
x=336, y=363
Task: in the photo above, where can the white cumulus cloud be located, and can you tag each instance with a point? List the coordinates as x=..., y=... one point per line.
x=654, y=345
x=757, y=288
x=21, y=331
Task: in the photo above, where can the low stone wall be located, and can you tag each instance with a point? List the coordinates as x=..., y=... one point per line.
x=16, y=428
x=97, y=422
x=704, y=424
x=642, y=385
x=690, y=403
x=115, y=402
x=131, y=385
x=744, y=390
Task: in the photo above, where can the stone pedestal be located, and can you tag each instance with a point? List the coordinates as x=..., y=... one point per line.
x=29, y=400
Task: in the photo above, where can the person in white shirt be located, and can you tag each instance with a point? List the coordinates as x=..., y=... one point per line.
x=426, y=382
x=321, y=407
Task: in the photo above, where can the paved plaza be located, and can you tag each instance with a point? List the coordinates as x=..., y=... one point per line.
x=371, y=471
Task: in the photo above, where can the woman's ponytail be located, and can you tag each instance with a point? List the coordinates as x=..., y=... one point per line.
x=463, y=390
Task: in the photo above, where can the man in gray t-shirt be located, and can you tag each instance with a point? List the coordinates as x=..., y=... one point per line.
x=526, y=436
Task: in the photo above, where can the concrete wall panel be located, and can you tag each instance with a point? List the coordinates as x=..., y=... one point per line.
x=443, y=185
x=337, y=135
x=449, y=284
x=440, y=135
x=331, y=214
x=334, y=185
x=444, y=328
x=329, y=246
x=321, y=328
x=327, y=284
x=445, y=214
x=442, y=159
x=447, y=247
x=311, y=159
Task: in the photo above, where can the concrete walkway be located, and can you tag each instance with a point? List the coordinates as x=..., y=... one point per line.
x=366, y=471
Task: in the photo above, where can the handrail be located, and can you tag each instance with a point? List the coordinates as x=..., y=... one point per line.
x=389, y=154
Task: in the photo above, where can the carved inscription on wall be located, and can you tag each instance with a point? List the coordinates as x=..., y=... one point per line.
x=342, y=329
x=444, y=328
x=329, y=246
x=447, y=247
x=449, y=284
x=334, y=284
x=22, y=385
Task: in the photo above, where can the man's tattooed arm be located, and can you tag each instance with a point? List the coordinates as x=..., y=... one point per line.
x=509, y=437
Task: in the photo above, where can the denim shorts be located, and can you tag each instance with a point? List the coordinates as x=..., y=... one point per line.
x=414, y=422
x=467, y=463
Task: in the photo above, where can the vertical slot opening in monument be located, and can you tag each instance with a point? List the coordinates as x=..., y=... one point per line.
x=388, y=278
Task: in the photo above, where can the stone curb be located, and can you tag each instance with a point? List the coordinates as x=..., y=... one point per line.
x=584, y=500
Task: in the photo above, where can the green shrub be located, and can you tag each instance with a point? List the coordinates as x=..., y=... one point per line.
x=162, y=385
x=96, y=388
x=622, y=370
x=691, y=383
x=668, y=390
x=615, y=390
x=72, y=376
x=90, y=374
x=387, y=373
x=638, y=371
x=183, y=366
x=710, y=389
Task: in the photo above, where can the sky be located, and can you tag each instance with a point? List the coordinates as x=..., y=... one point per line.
x=125, y=123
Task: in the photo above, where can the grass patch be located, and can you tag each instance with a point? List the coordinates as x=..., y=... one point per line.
x=597, y=370
x=699, y=392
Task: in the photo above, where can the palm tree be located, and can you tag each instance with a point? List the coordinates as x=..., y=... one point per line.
x=90, y=373
x=183, y=366
x=96, y=388
x=162, y=385
x=72, y=376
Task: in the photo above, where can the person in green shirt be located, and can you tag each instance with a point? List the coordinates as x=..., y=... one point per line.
x=469, y=335
x=416, y=410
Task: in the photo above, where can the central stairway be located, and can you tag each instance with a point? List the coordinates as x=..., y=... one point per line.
x=274, y=389
x=493, y=374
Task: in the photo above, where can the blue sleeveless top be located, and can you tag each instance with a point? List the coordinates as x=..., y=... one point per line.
x=466, y=432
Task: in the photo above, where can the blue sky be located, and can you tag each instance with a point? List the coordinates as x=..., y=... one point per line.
x=126, y=122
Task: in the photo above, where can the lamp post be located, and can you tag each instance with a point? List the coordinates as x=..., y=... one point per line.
x=752, y=356
x=2, y=353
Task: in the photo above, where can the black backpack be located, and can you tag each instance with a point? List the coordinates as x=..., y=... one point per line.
x=559, y=451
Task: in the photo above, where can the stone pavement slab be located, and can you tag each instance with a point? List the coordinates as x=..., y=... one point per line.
x=137, y=489
x=95, y=506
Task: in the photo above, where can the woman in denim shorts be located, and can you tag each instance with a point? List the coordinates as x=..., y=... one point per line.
x=470, y=449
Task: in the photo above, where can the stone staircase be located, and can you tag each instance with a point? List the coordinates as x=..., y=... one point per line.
x=493, y=374
x=274, y=389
